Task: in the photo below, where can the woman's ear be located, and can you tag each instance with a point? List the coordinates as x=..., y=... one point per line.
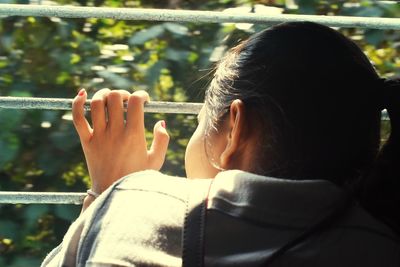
x=235, y=130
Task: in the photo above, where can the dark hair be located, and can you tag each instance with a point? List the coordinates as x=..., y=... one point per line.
x=318, y=102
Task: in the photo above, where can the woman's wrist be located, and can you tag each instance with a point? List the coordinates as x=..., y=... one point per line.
x=87, y=201
x=92, y=193
x=98, y=185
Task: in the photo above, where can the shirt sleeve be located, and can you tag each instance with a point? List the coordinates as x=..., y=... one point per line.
x=136, y=222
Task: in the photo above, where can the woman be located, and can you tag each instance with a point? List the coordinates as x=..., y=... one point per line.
x=289, y=140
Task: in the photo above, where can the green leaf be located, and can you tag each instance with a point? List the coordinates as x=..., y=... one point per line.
x=9, y=147
x=154, y=72
x=9, y=141
x=32, y=213
x=374, y=37
x=65, y=138
x=10, y=119
x=3, y=63
x=176, y=28
x=117, y=81
x=307, y=6
x=146, y=35
x=8, y=229
x=369, y=12
x=21, y=93
x=67, y=212
x=24, y=261
x=176, y=55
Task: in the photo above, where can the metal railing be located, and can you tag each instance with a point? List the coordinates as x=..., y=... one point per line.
x=66, y=104
x=41, y=198
x=191, y=16
x=150, y=15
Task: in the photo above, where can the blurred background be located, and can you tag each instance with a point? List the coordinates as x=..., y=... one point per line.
x=52, y=57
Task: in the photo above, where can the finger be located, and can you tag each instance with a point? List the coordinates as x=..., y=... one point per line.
x=135, y=113
x=115, y=109
x=78, y=114
x=98, y=110
x=159, y=146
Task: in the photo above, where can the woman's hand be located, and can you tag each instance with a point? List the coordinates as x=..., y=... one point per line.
x=114, y=147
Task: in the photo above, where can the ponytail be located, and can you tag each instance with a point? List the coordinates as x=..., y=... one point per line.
x=381, y=194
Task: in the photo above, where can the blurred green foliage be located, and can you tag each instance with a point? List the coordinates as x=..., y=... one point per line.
x=52, y=57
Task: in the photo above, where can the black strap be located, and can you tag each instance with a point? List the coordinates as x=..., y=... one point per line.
x=193, y=230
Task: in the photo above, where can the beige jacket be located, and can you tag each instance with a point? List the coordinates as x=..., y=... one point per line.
x=238, y=219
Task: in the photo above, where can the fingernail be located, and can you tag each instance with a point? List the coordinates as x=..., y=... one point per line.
x=163, y=124
x=81, y=92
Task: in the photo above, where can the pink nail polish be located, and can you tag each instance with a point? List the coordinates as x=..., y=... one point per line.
x=163, y=124
x=81, y=92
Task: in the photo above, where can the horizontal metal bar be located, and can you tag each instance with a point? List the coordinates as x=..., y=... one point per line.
x=10, y=102
x=191, y=16
x=9, y=197
x=66, y=104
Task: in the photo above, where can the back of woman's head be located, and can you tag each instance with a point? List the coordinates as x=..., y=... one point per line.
x=316, y=99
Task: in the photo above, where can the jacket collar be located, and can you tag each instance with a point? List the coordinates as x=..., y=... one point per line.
x=267, y=200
